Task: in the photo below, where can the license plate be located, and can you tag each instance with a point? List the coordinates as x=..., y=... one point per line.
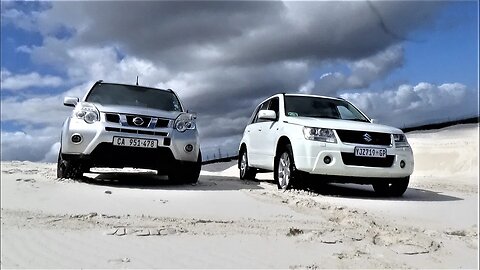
x=370, y=152
x=135, y=142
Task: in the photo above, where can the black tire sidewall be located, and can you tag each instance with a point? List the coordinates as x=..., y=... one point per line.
x=186, y=172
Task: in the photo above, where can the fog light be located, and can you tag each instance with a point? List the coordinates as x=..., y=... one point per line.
x=402, y=164
x=189, y=148
x=76, y=138
x=327, y=160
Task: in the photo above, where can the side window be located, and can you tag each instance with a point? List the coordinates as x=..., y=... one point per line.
x=264, y=106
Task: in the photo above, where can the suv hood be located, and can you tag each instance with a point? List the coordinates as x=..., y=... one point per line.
x=342, y=124
x=137, y=111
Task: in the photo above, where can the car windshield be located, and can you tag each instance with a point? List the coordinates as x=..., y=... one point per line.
x=322, y=108
x=129, y=95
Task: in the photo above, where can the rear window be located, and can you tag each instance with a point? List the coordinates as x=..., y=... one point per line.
x=129, y=95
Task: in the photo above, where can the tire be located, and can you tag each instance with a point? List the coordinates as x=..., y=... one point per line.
x=186, y=172
x=394, y=188
x=285, y=173
x=68, y=168
x=246, y=172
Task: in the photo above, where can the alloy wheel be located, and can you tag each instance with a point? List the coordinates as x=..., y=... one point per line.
x=284, y=170
x=243, y=164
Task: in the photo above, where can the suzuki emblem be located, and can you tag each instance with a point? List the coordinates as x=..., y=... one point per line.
x=367, y=137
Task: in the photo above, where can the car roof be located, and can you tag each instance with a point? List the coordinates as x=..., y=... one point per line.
x=301, y=95
x=309, y=95
x=132, y=85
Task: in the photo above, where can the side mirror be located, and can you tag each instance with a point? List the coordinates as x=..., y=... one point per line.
x=374, y=121
x=70, y=101
x=267, y=115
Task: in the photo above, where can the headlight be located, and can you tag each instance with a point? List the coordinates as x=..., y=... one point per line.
x=400, y=140
x=319, y=134
x=88, y=112
x=185, y=121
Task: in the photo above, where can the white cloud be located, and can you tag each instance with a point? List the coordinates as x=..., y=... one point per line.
x=40, y=110
x=307, y=87
x=24, y=49
x=13, y=82
x=410, y=105
x=52, y=154
x=17, y=17
x=370, y=69
x=363, y=72
x=33, y=145
x=98, y=63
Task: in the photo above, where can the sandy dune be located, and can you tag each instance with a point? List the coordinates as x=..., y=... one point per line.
x=125, y=220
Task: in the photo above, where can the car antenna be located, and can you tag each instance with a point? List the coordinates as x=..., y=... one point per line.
x=137, y=80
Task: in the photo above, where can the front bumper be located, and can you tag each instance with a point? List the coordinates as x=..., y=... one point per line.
x=309, y=157
x=97, y=144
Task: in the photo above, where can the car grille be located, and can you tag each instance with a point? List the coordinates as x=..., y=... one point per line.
x=134, y=131
x=162, y=123
x=110, y=117
x=115, y=118
x=351, y=159
x=364, y=137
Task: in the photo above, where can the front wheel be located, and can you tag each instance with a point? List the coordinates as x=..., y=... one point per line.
x=395, y=188
x=68, y=168
x=186, y=172
x=246, y=172
x=285, y=171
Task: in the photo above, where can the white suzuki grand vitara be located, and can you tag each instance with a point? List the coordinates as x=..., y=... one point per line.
x=300, y=135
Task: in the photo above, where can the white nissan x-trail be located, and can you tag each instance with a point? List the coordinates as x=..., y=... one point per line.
x=119, y=125
x=296, y=136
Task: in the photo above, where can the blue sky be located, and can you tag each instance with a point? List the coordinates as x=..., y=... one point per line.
x=449, y=52
x=223, y=57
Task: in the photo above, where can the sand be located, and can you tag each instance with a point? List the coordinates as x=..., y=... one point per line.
x=139, y=220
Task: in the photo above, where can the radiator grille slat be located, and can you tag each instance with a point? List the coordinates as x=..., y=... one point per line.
x=135, y=131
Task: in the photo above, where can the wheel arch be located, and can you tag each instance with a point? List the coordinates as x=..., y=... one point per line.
x=282, y=142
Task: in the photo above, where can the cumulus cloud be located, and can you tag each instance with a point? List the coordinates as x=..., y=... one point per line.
x=31, y=144
x=13, y=82
x=238, y=32
x=363, y=72
x=410, y=105
x=40, y=110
